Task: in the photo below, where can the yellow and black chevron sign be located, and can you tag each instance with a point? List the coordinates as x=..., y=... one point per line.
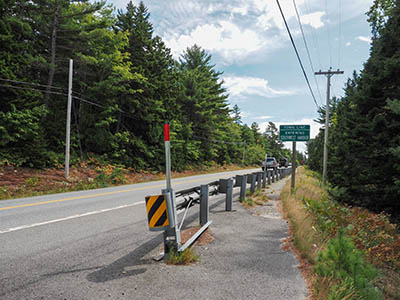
x=157, y=213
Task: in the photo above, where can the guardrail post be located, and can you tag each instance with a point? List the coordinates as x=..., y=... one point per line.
x=243, y=188
x=229, y=195
x=172, y=236
x=280, y=174
x=203, y=204
x=276, y=174
x=259, y=176
x=249, y=178
x=264, y=179
x=273, y=175
x=253, y=183
x=269, y=177
x=238, y=180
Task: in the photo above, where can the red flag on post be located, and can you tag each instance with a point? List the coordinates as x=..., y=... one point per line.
x=166, y=132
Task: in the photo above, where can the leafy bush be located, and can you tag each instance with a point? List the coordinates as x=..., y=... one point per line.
x=22, y=137
x=110, y=175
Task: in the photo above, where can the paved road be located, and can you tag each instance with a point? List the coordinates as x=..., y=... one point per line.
x=76, y=245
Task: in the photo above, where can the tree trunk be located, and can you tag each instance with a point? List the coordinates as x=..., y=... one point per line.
x=53, y=54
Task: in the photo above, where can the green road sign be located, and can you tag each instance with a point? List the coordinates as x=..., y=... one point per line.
x=294, y=133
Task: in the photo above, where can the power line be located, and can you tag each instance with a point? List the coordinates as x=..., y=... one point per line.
x=340, y=32
x=329, y=33
x=308, y=52
x=297, y=54
x=129, y=115
x=30, y=83
x=60, y=94
x=88, y=102
x=32, y=89
x=313, y=34
x=339, y=46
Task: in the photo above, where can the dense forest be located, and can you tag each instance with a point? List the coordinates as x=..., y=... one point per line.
x=364, y=139
x=126, y=85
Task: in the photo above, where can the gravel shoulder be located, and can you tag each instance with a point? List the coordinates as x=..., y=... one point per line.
x=244, y=261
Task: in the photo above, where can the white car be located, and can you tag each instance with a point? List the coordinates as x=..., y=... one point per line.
x=269, y=163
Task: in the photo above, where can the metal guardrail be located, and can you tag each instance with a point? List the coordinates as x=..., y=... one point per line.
x=185, y=199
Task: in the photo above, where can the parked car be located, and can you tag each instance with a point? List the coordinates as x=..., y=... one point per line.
x=269, y=163
x=283, y=162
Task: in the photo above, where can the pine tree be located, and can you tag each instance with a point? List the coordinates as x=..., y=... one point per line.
x=364, y=159
x=154, y=103
x=22, y=138
x=236, y=115
x=203, y=101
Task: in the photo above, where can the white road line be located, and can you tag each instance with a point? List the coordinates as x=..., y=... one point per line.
x=69, y=218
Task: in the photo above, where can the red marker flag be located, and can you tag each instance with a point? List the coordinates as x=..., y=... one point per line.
x=166, y=132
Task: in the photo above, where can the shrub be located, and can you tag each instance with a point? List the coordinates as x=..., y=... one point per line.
x=343, y=261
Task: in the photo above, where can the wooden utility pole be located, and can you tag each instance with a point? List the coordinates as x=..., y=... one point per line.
x=293, y=167
x=328, y=74
x=68, y=126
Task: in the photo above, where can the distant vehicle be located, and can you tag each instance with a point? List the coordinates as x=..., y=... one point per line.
x=269, y=163
x=283, y=162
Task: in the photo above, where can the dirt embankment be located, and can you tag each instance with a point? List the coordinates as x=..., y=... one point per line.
x=24, y=182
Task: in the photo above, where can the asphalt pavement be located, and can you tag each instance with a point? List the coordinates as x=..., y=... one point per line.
x=108, y=254
x=245, y=261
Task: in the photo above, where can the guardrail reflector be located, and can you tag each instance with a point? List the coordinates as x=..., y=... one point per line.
x=157, y=212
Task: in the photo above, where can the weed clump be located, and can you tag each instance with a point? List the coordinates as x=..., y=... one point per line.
x=185, y=257
x=257, y=198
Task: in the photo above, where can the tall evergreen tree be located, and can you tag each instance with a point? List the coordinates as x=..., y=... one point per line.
x=155, y=102
x=364, y=145
x=236, y=115
x=203, y=100
x=22, y=138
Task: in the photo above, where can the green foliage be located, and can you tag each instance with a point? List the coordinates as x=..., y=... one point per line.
x=182, y=258
x=315, y=152
x=343, y=261
x=328, y=214
x=22, y=141
x=126, y=85
x=379, y=13
x=363, y=161
x=110, y=176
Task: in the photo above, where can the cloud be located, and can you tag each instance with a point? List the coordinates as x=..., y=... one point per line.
x=348, y=44
x=263, y=117
x=364, y=39
x=224, y=37
x=313, y=19
x=243, y=10
x=233, y=31
x=245, y=86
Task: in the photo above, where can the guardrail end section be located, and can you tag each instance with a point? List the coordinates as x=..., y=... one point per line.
x=194, y=236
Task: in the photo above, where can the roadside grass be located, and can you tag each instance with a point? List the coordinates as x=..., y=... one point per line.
x=185, y=257
x=257, y=198
x=355, y=254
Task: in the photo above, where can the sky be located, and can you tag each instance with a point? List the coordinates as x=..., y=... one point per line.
x=249, y=43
